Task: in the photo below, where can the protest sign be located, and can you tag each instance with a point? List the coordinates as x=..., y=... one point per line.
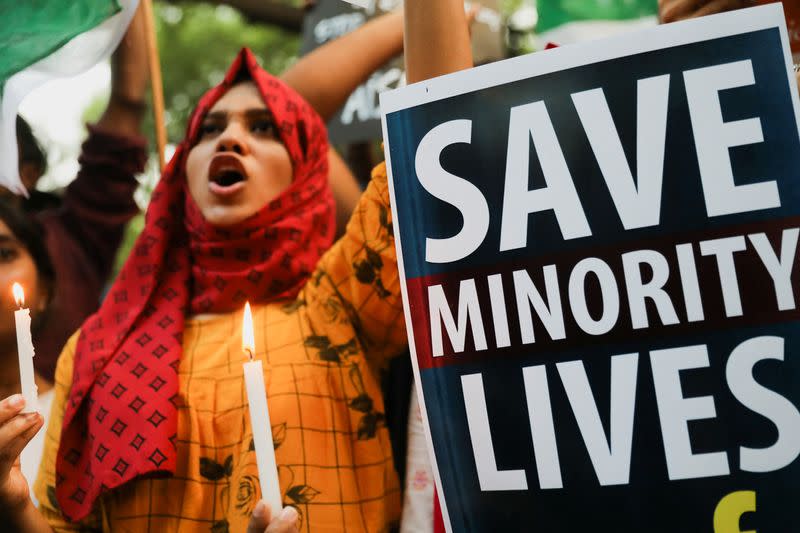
x=359, y=118
x=598, y=254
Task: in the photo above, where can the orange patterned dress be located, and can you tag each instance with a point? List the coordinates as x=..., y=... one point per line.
x=322, y=354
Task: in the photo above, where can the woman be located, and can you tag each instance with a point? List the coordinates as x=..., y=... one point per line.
x=153, y=382
x=24, y=260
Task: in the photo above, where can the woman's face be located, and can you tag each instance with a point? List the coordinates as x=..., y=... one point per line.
x=239, y=164
x=16, y=265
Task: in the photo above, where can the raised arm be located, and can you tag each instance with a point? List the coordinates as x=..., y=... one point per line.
x=436, y=38
x=359, y=275
x=84, y=234
x=326, y=76
x=129, y=78
x=99, y=202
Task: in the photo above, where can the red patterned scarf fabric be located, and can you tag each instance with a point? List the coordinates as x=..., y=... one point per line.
x=121, y=420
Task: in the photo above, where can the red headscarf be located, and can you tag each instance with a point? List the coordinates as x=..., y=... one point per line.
x=121, y=420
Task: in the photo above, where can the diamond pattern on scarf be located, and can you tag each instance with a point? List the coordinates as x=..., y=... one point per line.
x=127, y=355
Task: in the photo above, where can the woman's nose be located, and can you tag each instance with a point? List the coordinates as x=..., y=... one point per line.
x=232, y=140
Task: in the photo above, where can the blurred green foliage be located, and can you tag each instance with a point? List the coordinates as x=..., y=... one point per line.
x=197, y=43
x=509, y=6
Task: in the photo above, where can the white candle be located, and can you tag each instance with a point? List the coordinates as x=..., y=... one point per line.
x=22, y=319
x=259, y=419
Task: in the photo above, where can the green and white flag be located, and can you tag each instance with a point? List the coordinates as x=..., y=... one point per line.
x=570, y=21
x=41, y=40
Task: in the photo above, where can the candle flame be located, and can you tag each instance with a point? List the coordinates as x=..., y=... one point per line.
x=19, y=294
x=248, y=337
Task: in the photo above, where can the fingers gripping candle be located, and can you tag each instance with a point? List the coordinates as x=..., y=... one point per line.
x=22, y=319
x=259, y=418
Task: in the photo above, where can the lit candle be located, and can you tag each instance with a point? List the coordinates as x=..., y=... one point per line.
x=22, y=318
x=259, y=418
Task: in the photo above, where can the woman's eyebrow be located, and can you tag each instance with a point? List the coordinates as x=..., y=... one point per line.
x=258, y=112
x=7, y=238
x=216, y=115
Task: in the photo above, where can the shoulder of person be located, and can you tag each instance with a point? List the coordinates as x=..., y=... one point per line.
x=66, y=361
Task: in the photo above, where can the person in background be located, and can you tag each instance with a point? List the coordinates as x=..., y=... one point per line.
x=23, y=259
x=84, y=229
x=32, y=166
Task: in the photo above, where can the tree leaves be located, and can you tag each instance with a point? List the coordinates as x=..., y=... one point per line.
x=302, y=493
x=214, y=471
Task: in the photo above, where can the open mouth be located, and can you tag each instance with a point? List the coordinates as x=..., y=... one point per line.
x=226, y=175
x=228, y=178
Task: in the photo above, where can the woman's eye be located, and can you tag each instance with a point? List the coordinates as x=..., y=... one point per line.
x=210, y=128
x=263, y=126
x=7, y=253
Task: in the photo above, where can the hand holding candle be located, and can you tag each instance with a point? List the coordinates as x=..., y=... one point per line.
x=22, y=318
x=259, y=418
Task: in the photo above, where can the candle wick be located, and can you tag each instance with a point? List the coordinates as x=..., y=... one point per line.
x=249, y=353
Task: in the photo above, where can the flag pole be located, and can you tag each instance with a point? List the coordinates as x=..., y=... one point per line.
x=156, y=85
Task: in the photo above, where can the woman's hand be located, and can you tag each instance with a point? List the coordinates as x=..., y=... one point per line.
x=262, y=521
x=16, y=430
x=674, y=10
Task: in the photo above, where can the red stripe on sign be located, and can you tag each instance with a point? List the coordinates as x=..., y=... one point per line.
x=671, y=285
